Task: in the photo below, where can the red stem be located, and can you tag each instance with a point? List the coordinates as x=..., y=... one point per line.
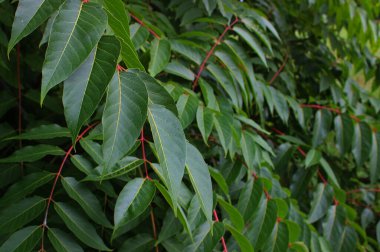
x=335, y=110
x=218, y=41
x=19, y=103
x=221, y=239
x=68, y=152
x=144, y=25
x=279, y=70
x=366, y=189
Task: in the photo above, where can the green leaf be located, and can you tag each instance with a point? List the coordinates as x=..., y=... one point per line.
x=210, y=5
x=322, y=199
x=23, y=240
x=82, y=164
x=93, y=149
x=170, y=144
x=84, y=89
x=278, y=239
x=206, y=237
x=123, y=117
x=25, y=186
x=180, y=70
x=252, y=42
x=123, y=167
x=326, y=167
x=362, y=143
x=30, y=14
x=62, y=241
x=86, y=199
x=280, y=104
x=119, y=22
x=249, y=149
x=159, y=56
x=139, y=35
x=187, y=49
x=138, y=243
x=321, y=127
x=344, y=129
x=243, y=242
x=200, y=178
x=21, y=213
x=223, y=125
x=79, y=225
x=205, y=122
x=219, y=179
x=312, y=158
x=133, y=200
x=33, y=153
x=49, y=131
x=375, y=158
x=235, y=217
x=378, y=232
x=248, y=199
x=75, y=32
x=187, y=109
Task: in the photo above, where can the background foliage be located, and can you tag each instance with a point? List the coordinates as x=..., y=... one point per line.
x=189, y=125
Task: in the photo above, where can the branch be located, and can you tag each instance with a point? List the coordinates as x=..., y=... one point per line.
x=144, y=25
x=279, y=70
x=334, y=110
x=221, y=239
x=218, y=41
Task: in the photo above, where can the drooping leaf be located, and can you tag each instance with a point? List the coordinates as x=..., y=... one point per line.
x=321, y=127
x=187, y=108
x=119, y=22
x=362, y=142
x=86, y=199
x=33, y=153
x=25, y=186
x=170, y=144
x=243, y=242
x=75, y=32
x=30, y=14
x=133, y=200
x=43, y=132
x=80, y=226
x=21, y=213
x=84, y=89
x=205, y=122
x=249, y=198
x=280, y=104
x=62, y=241
x=223, y=126
x=23, y=240
x=235, y=217
x=200, y=178
x=159, y=56
x=123, y=117
x=322, y=199
x=248, y=147
x=219, y=179
x=344, y=129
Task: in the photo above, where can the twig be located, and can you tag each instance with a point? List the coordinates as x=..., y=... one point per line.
x=279, y=70
x=221, y=239
x=144, y=25
x=218, y=41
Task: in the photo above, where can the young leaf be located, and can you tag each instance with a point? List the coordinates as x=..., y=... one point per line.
x=23, y=240
x=33, y=153
x=86, y=199
x=362, y=143
x=75, y=32
x=159, y=56
x=84, y=89
x=322, y=199
x=21, y=213
x=243, y=242
x=123, y=117
x=62, y=241
x=119, y=22
x=80, y=227
x=49, y=131
x=200, y=178
x=25, y=186
x=133, y=200
x=170, y=144
x=30, y=14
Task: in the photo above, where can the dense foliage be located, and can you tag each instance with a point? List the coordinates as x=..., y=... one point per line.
x=189, y=125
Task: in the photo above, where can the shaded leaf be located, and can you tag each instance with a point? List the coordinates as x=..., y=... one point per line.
x=159, y=56
x=344, y=129
x=62, y=241
x=235, y=217
x=23, y=240
x=205, y=122
x=138, y=243
x=33, y=153
x=44, y=132
x=243, y=242
x=187, y=108
x=322, y=199
x=321, y=127
x=362, y=142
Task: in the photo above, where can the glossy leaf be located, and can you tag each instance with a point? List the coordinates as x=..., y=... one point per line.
x=132, y=201
x=84, y=89
x=93, y=149
x=29, y=15
x=62, y=241
x=33, y=153
x=344, y=129
x=79, y=225
x=200, y=178
x=86, y=199
x=123, y=117
x=75, y=32
x=321, y=127
x=322, y=199
x=21, y=213
x=23, y=240
x=362, y=142
x=119, y=22
x=170, y=144
x=159, y=56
